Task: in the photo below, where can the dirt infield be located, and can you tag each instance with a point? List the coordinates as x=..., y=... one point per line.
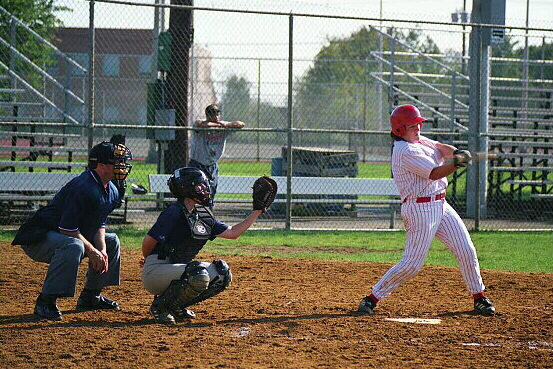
x=285, y=313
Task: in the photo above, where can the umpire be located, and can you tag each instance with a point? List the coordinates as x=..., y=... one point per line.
x=72, y=227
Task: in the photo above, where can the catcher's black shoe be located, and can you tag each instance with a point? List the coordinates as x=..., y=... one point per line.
x=92, y=300
x=367, y=305
x=161, y=315
x=46, y=307
x=484, y=305
x=183, y=314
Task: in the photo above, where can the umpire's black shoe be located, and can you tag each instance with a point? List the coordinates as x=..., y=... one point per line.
x=484, y=306
x=46, y=307
x=92, y=300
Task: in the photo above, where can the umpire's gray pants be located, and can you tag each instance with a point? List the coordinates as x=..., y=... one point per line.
x=64, y=254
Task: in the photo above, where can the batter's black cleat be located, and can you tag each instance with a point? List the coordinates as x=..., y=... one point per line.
x=46, y=307
x=484, y=306
x=92, y=300
x=366, y=306
x=161, y=315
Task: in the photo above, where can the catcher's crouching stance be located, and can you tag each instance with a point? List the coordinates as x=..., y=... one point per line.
x=179, y=233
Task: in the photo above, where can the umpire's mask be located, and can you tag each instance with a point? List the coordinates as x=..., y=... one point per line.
x=114, y=154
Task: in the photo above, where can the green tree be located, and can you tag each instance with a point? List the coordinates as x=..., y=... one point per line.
x=515, y=69
x=238, y=104
x=541, y=52
x=334, y=94
x=38, y=15
x=509, y=49
x=236, y=99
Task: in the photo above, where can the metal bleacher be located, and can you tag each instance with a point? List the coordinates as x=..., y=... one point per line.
x=31, y=101
x=520, y=117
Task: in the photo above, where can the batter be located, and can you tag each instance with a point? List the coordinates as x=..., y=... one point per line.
x=420, y=174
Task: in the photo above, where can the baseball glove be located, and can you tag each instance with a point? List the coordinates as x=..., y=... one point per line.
x=264, y=192
x=462, y=158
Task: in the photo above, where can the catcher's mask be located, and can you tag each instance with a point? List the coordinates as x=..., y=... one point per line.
x=114, y=154
x=192, y=183
x=403, y=116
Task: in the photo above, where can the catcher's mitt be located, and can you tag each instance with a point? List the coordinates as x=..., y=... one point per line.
x=462, y=158
x=264, y=192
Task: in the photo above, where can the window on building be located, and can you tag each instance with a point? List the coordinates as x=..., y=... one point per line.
x=82, y=60
x=145, y=65
x=111, y=114
x=111, y=65
x=142, y=114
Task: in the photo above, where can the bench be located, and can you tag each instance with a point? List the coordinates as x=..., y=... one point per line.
x=521, y=169
x=516, y=144
x=32, y=153
x=43, y=148
x=31, y=189
x=29, y=135
x=530, y=182
x=305, y=190
x=523, y=155
x=5, y=164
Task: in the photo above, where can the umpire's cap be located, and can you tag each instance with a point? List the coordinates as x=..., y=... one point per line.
x=108, y=153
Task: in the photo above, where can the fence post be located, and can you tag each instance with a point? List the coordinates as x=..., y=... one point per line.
x=13, y=41
x=290, y=118
x=453, y=97
x=258, y=118
x=392, y=62
x=91, y=51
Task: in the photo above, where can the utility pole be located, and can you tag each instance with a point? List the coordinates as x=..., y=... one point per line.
x=485, y=12
x=181, y=30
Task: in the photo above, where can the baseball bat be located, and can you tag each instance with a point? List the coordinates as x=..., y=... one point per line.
x=483, y=156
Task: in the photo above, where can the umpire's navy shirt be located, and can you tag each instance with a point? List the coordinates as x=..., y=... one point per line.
x=172, y=226
x=82, y=205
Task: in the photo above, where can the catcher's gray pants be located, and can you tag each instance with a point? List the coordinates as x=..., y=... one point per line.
x=64, y=254
x=158, y=274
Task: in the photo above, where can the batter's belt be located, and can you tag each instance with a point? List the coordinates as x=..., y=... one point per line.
x=427, y=198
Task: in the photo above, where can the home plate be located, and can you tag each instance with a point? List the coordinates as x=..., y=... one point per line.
x=416, y=320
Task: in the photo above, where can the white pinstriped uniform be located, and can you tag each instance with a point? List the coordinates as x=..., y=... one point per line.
x=411, y=166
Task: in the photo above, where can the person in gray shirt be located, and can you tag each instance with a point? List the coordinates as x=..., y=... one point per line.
x=207, y=147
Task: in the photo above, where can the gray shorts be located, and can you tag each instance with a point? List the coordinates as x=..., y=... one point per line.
x=158, y=274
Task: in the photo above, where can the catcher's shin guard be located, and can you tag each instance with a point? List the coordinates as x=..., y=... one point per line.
x=217, y=285
x=180, y=292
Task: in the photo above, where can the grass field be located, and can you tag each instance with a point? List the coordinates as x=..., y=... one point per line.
x=516, y=251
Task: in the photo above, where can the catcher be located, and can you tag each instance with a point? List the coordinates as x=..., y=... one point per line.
x=180, y=232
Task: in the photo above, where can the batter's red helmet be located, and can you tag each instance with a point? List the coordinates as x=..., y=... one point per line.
x=403, y=116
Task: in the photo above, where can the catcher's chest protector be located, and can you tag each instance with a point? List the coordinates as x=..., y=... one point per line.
x=200, y=222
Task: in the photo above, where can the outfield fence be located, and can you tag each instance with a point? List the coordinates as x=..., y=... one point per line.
x=318, y=85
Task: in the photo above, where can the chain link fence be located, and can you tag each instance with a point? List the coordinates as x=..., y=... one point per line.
x=326, y=99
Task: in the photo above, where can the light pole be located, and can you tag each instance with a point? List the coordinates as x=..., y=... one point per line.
x=462, y=16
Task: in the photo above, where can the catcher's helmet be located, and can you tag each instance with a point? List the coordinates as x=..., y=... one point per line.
x=403, y=116
x=192, y=183
x=114, y=154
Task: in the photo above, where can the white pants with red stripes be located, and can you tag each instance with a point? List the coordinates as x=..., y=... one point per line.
x=423, y=222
